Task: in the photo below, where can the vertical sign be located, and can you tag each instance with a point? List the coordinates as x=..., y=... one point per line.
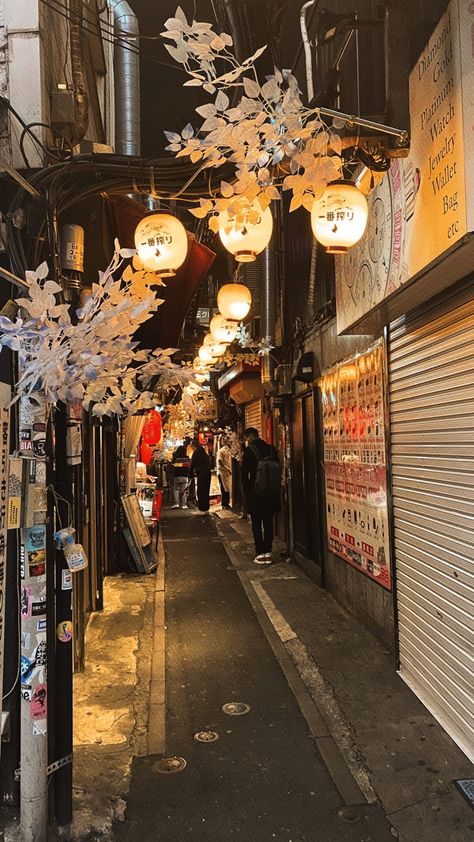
x=5, y=396
x=355, y=465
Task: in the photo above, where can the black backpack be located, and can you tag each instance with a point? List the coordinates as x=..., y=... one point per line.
x=267, y=480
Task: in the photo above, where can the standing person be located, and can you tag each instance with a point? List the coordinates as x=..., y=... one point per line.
x=201, y=468
x=181, y=469
x=224, y=471
x=262, y=503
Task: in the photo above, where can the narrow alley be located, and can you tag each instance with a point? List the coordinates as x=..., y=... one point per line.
x=261, y=775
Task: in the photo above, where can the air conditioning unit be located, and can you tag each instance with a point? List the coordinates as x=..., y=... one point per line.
x=283, y=379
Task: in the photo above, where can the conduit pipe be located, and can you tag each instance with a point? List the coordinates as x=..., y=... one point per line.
x=126, y=79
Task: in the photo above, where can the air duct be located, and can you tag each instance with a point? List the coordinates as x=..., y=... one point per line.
x=126, y=79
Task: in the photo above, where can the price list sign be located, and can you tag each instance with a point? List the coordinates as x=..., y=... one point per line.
x=355, y=465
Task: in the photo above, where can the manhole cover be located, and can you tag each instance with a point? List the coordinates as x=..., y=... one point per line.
x=170, y=764
x=235, y=708
x=206, y=736
x=466, y=788
x=348, y=814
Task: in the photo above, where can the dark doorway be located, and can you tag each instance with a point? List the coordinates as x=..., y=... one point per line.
x=305, y=483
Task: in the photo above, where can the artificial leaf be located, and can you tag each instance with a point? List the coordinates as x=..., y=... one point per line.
x=207, y=110
x=226, y=189
x=251, y=87
x=222, y=101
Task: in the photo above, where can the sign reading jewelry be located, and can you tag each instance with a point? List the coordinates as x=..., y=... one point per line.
x=355, y=466
x=425, y=204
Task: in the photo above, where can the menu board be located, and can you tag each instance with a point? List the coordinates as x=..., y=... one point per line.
x=355, y=465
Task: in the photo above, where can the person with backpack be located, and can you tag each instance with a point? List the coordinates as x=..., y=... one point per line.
x=261, y=484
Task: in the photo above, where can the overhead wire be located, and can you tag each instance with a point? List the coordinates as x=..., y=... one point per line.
x=108, y=36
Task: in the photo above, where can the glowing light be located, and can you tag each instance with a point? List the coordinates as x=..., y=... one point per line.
x=162, y=243
x=234, y=301
x=246, y=239
x=339, y=217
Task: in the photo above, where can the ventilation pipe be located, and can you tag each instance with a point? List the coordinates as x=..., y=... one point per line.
x=307, y=50
x=126, y=79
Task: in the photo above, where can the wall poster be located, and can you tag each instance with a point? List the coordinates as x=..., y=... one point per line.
x=355, y=464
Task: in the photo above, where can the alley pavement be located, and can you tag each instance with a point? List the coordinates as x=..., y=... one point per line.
x=258, y=775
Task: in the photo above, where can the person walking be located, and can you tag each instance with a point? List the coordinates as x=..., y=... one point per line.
x=181, y=469
x=224, y=471
x=263, y=497
x=201, y=468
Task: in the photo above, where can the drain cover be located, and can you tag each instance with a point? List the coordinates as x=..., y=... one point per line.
x=206, y=736
x=466, y=788
x=235, y=708
x=169, y=764
x=349, y=814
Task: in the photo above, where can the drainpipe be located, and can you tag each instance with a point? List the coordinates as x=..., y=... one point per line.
x=81, y=99
x=268, y=310
x=307, y=50
x=126, y=79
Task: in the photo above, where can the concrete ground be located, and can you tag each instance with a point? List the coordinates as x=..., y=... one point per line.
x=334, y=747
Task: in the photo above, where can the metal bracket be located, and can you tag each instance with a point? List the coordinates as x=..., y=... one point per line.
x=53, y=767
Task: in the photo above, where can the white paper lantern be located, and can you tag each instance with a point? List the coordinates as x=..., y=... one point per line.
x=234, y=301
x=205, y=355
x=162, y=243
x=223, y=330
x=246, y=240
x=216, y=348
x=339, y=217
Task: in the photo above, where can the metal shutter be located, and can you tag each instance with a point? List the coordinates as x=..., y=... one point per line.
x=253, y=415
x=431, y=374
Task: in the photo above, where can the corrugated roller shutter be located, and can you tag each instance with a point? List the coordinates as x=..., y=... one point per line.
x=253, y=415
x=431, y=371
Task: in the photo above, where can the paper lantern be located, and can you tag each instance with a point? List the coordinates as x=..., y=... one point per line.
x=339, y=217
x=205, y=355
x=246, y=239
x=162, y=243
x=234, y=301
x=223, y=330
x=216, y=348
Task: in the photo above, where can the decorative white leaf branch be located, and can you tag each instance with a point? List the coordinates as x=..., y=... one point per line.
x=273, y=140
x=94, y=358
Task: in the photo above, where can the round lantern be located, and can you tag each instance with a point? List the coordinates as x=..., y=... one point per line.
x=162, y=243
x=205, y=355
x=216, y=348
x=246, y=239
x=234, y=301
x=201, y=378
x=193, y=388
x=222, y=330
x=339, y=217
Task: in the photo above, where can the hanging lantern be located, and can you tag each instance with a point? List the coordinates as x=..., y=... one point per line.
x=216, y=348
x=246, y=239
x=205, y=355
x=339, y=217
x=223, y=330
x=234, y=301
x=201, y=378
x=162, y=243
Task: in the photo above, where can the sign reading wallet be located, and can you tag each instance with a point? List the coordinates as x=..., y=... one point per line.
x=425, y=203
x=355, y=466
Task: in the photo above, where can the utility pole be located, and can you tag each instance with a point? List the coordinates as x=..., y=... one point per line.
x=33, y=664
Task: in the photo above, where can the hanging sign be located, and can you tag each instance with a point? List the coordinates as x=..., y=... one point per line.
x=355, y=465
x=5, y=397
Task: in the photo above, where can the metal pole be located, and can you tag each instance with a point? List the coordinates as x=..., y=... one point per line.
x=34, y=689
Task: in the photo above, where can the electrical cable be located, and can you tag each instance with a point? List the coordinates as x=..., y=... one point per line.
x=99, y=32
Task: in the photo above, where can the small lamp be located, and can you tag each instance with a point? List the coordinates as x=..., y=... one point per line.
x=222, y=330
x=162, y=243
x=234, y=301
x=246, y=239
x=339, y=217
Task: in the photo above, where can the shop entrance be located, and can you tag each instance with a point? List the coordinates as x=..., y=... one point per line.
x=305, y=478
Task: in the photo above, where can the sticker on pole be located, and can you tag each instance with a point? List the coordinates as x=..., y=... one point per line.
x=64, y=631
x=39, y=703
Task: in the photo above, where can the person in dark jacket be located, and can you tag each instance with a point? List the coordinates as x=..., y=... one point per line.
x=260, y=509
x=181, y=469
x=201, y=468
